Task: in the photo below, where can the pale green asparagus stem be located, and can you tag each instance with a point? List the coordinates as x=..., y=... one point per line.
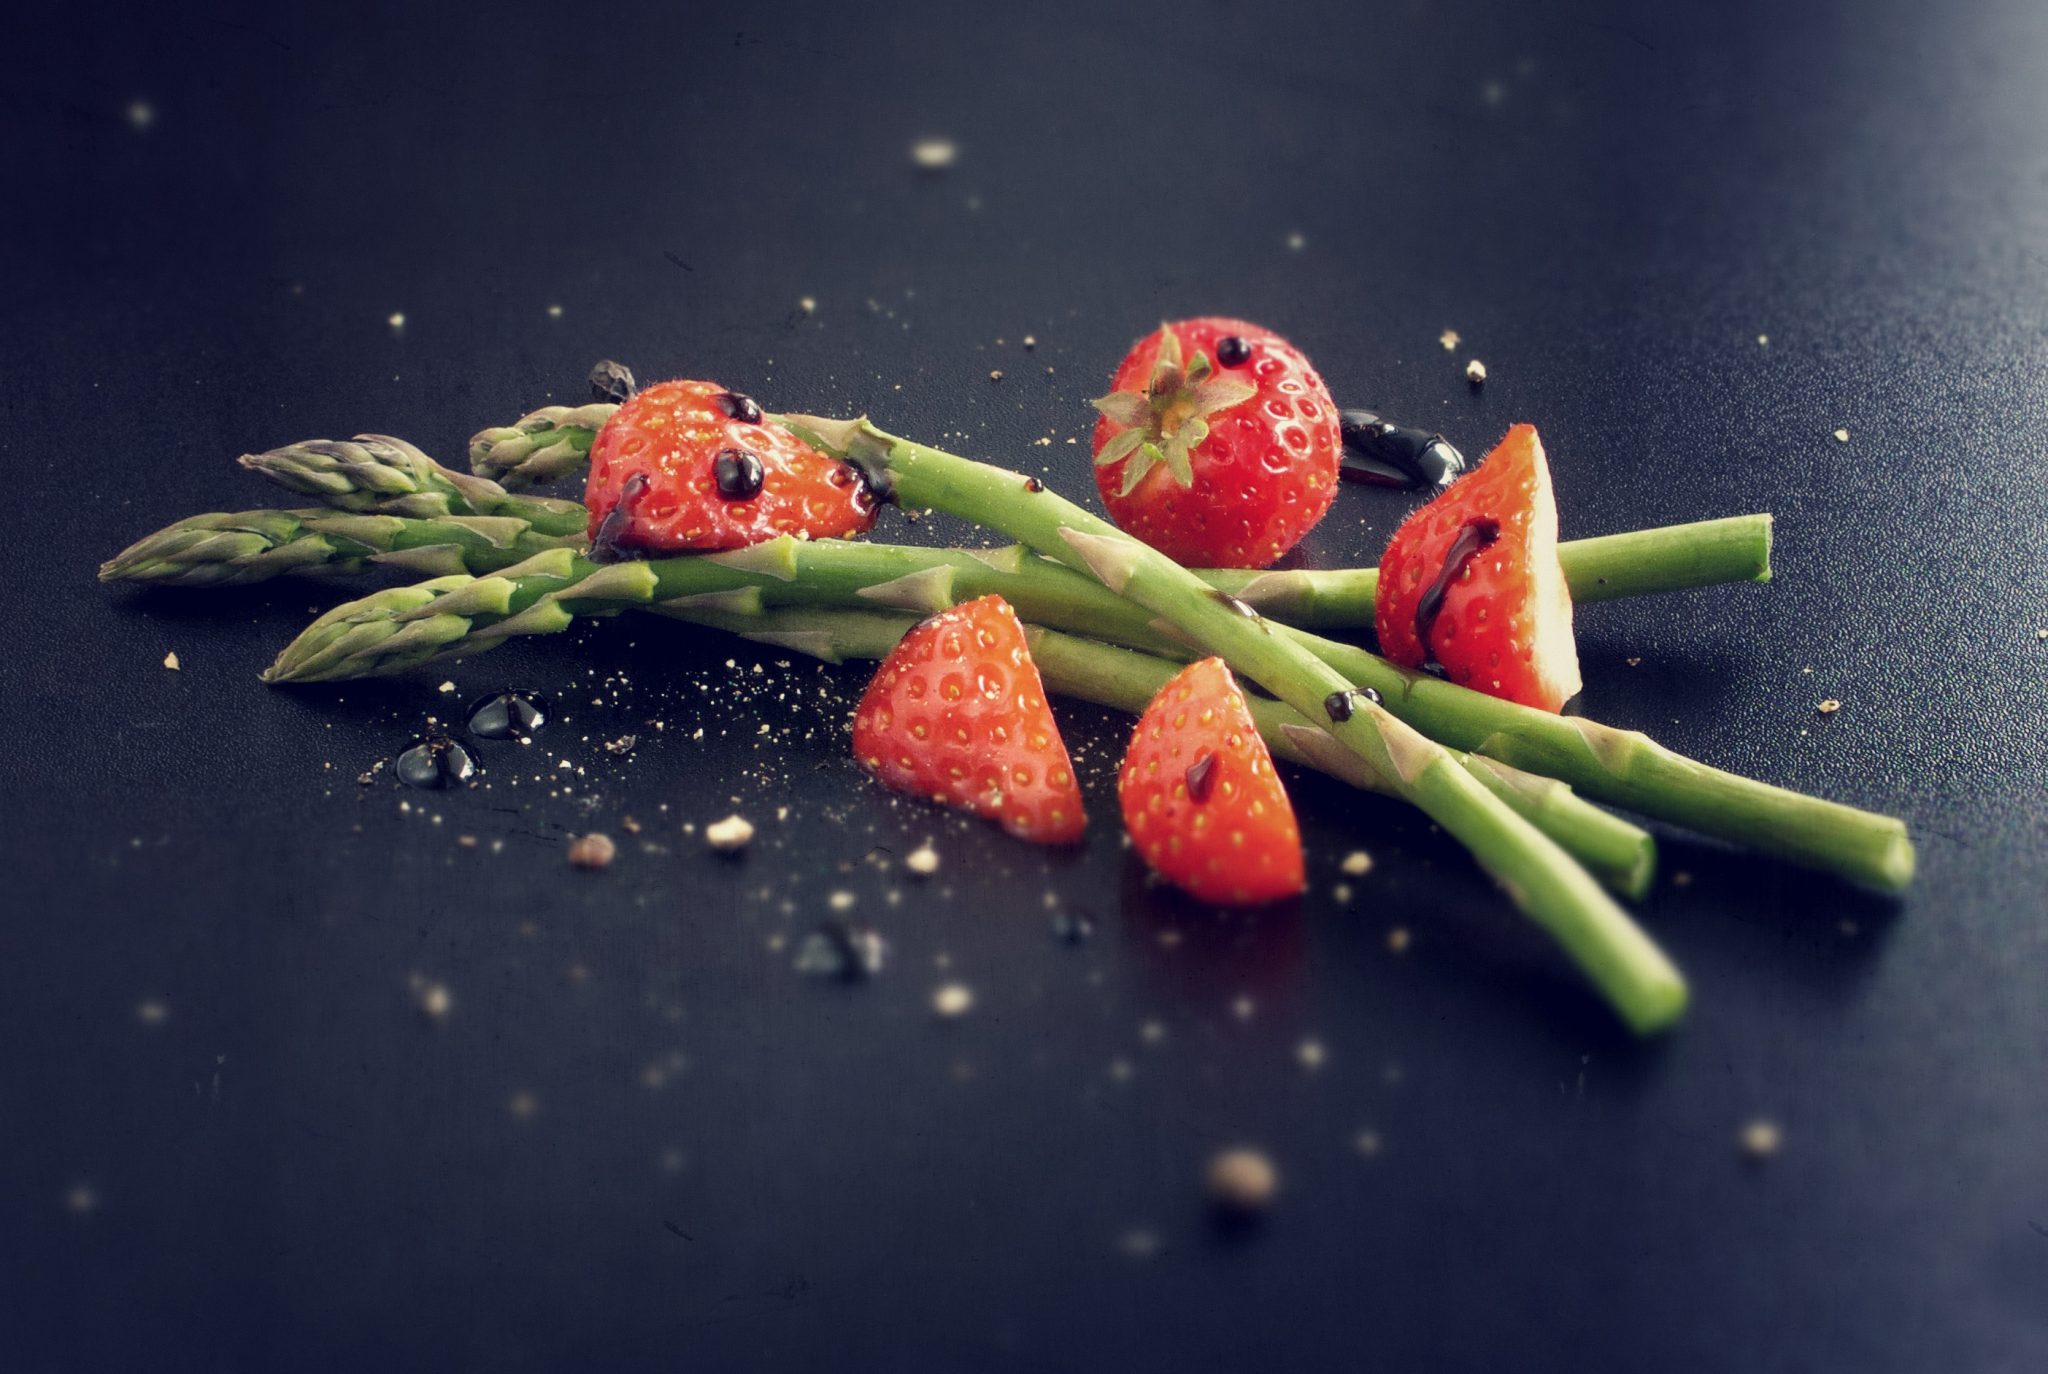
x=1554, y=891
x=239, y=548
x=375, y=473
x=1621, y=855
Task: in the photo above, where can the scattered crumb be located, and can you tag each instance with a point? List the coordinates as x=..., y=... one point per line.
x=1030, y=341
x=995, y=374
x=631, y=826
x=171, y=662
x=622, y=745
x=841, y=900
x=1152, y=1033
x=397, y=321
x=1848, y=928
x=1761, y=1139
x=151, y=1012
x=950, y=1001
x=808, y=304
x=1829, y=707
x=1366, y=1143
x=934, y=154
x=1475, y=372
x=923, y=860
x=1341, y=893
x=81, y=1200
x=1449, y=339
x=592, y=851
x=1242, y=1182
x=554, y=312
x=1398, y=940
x=1311, y=1055
x=1357, y=863
x=1633, y=662
x=1242, y=1008
x=466, y=841
x=729, y=835
x=1763, y=341
x=1681, y=878
x=1139, y=1244
x=522, y=1105
x=141, y=114
x=447, y=687
x=432, y=997
x=1841, y=436
x=1296, y=241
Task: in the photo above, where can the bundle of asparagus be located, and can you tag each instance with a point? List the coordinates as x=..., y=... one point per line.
x=1110, y=620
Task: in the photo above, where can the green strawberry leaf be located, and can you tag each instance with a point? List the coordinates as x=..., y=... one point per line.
x=1120, y=447
x=1125, y=408
x=1139, y=467
x=1221, y=393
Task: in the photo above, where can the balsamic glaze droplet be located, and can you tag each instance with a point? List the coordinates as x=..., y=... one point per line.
x=1472, y=537
x=1337, y=706
x=1202, y=776
x=741, y=407
x=1033, y=485
x=1242, y=608
x=507, y=715
x=739, y=474
x=1384, y=454
x=1233, y=351
x=613, y=382
x=604, y=545
x=435, y=763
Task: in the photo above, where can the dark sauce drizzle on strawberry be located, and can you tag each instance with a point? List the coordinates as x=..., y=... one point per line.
x=1383, y=454
x=604, y=545
x=738, y=473
x=741, y=407
x=1202, y=776
x=613, y=382
x=1473, y=537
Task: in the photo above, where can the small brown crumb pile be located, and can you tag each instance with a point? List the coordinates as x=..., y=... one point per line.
x=592, y=851
x=1242, y=1182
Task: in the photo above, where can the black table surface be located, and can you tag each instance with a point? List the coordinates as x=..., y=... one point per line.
x=230, y=1139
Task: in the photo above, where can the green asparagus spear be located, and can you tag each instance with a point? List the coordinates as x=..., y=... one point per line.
x=239, y=548
x=379, y=474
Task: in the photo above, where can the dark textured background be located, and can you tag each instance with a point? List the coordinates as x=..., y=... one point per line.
x=730, y=1165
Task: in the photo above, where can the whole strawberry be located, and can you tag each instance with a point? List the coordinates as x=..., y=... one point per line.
x=1471, y=582
x=687, y=466
x=957, y=713
x=1200, y=798
x=1218, y=445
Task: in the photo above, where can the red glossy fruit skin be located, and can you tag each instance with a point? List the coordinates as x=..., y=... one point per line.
x=1238, y=847
x=672, y=433
x=1505, y=627
x=957, y=713
x=1264, y=476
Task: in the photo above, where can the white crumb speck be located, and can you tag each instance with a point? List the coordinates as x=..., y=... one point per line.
x=923, y=860
x=1449, y=339
x=808, y=304
x=554, y=312
x=141, y=114
x=171, y=661
x=1475, y=371
x=1761, y=1139
x=1310, y=1054
x=842, y=900
x=1357, y=863
x=151, y=1012
x=447, y=687
x=951, y=1001
x=397, y=321
x=732, y=833
x=934, y=154
x=1841, y=436
x=1296, y=241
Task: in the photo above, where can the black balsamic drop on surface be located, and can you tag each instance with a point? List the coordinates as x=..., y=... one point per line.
x=739, y=474
x=741, y=407
x=1383, y=454
x=1233, y=351
x=507, y=715
x=436, y=763
x=613, y=382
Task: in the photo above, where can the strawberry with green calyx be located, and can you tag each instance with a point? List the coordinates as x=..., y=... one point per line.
x=957, y=713
x=1218, y=445
x=687, y=466
x=1200, y=797
x=1471, y=583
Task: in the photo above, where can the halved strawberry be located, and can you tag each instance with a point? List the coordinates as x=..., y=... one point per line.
x=1200, y=797
x=687, y=466
x=1471, y=581
x=957, y=713
x=1218, y=445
